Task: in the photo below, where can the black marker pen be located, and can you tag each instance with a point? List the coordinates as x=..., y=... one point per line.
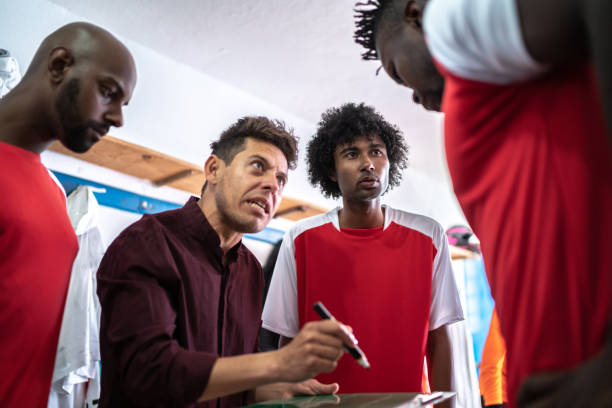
x=355, y=351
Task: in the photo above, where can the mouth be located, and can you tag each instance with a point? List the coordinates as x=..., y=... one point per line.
x=101, y=131
x=433, y=101
x=258, y=203
x=368, y=181
x=435, y=107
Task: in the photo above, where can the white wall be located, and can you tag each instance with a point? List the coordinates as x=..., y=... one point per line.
x=178, y=111
x=113, y=220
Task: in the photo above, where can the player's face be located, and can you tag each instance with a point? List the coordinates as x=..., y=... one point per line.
x=91, y=100
x=250, y=188
x=406, y=59
x=362, y=168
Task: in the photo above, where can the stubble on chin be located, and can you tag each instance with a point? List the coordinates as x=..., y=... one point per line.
x=75, y=135
x=237, y=223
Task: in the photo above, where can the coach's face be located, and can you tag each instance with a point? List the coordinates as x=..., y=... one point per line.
x=248, y=190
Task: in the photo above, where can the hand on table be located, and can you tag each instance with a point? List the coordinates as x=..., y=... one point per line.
x=281, y=391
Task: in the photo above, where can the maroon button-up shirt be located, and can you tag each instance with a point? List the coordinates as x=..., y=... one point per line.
x=170, y=308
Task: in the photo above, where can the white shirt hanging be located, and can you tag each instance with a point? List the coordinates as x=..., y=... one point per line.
x=78, y=353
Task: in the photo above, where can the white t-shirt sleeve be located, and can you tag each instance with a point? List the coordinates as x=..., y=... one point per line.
x=280, y=314
x=445, y=305
x=480, y=40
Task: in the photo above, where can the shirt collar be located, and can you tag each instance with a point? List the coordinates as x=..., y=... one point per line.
x=197, y=227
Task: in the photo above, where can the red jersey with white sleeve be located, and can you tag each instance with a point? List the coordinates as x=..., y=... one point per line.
x=529, y=158
x=391, y=284
x=37, y=248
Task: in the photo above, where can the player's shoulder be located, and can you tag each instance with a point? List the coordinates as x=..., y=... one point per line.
x=313, y=222
x=421, y=223
x=479, y=40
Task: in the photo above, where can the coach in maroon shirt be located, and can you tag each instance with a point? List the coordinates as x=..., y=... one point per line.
x=181, y=294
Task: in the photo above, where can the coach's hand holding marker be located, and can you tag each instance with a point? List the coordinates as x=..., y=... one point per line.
x=356, y=352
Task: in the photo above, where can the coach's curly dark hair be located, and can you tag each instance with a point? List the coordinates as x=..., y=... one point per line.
x=368, y=15
x=339, y=126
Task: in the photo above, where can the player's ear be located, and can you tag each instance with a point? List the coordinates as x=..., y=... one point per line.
x=213, y=168
x=413, y=14
x=60, y=61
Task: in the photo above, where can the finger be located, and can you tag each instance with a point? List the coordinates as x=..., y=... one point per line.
x=320, y=388
x=309, y=388
x=332, y=329
x=348, y=331
x=324, y=351
x=330, y=336
x=316, y=365
x=341, y=331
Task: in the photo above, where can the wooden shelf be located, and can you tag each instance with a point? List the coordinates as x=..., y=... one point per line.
x=138, y=161
x=461, y=253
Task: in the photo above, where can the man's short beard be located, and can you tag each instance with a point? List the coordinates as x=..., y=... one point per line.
x=227, y=219
x=74, y=128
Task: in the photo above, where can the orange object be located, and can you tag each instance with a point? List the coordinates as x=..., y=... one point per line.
x=492, y=380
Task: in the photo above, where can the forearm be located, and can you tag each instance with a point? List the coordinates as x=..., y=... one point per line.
x=439, y=355
x=231, y=375
x=315, y=349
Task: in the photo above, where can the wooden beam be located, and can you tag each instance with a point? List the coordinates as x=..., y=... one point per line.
x=161, y=169
x=173, y=177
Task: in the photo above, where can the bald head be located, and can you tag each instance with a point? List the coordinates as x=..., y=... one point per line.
x=80, y=79
x=84, y=41
x=83, y=77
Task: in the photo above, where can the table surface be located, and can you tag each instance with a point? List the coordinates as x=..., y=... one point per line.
x=406, y=400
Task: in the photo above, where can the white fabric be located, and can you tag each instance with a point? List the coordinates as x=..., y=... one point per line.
x=61, y=398
x=465, y=379
x=280, y=313
x=78, y=352
x=9, y=73
x=479, y=40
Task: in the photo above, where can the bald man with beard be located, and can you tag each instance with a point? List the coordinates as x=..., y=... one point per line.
x=74, y=91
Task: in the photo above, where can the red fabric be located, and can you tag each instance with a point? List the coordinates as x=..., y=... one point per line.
x=530, y=164
x=37, y=248
x=360, y=278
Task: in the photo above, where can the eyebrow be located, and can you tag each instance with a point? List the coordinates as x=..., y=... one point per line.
x=354, y=148
x=267, y=164
x=348, y=149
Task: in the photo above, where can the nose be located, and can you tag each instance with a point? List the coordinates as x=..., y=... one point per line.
x=115, y=116
x=367, y=164
x=272, y=184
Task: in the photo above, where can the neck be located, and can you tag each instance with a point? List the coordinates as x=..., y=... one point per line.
x=361, y=214
x=23, y=123
x=228, y=237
